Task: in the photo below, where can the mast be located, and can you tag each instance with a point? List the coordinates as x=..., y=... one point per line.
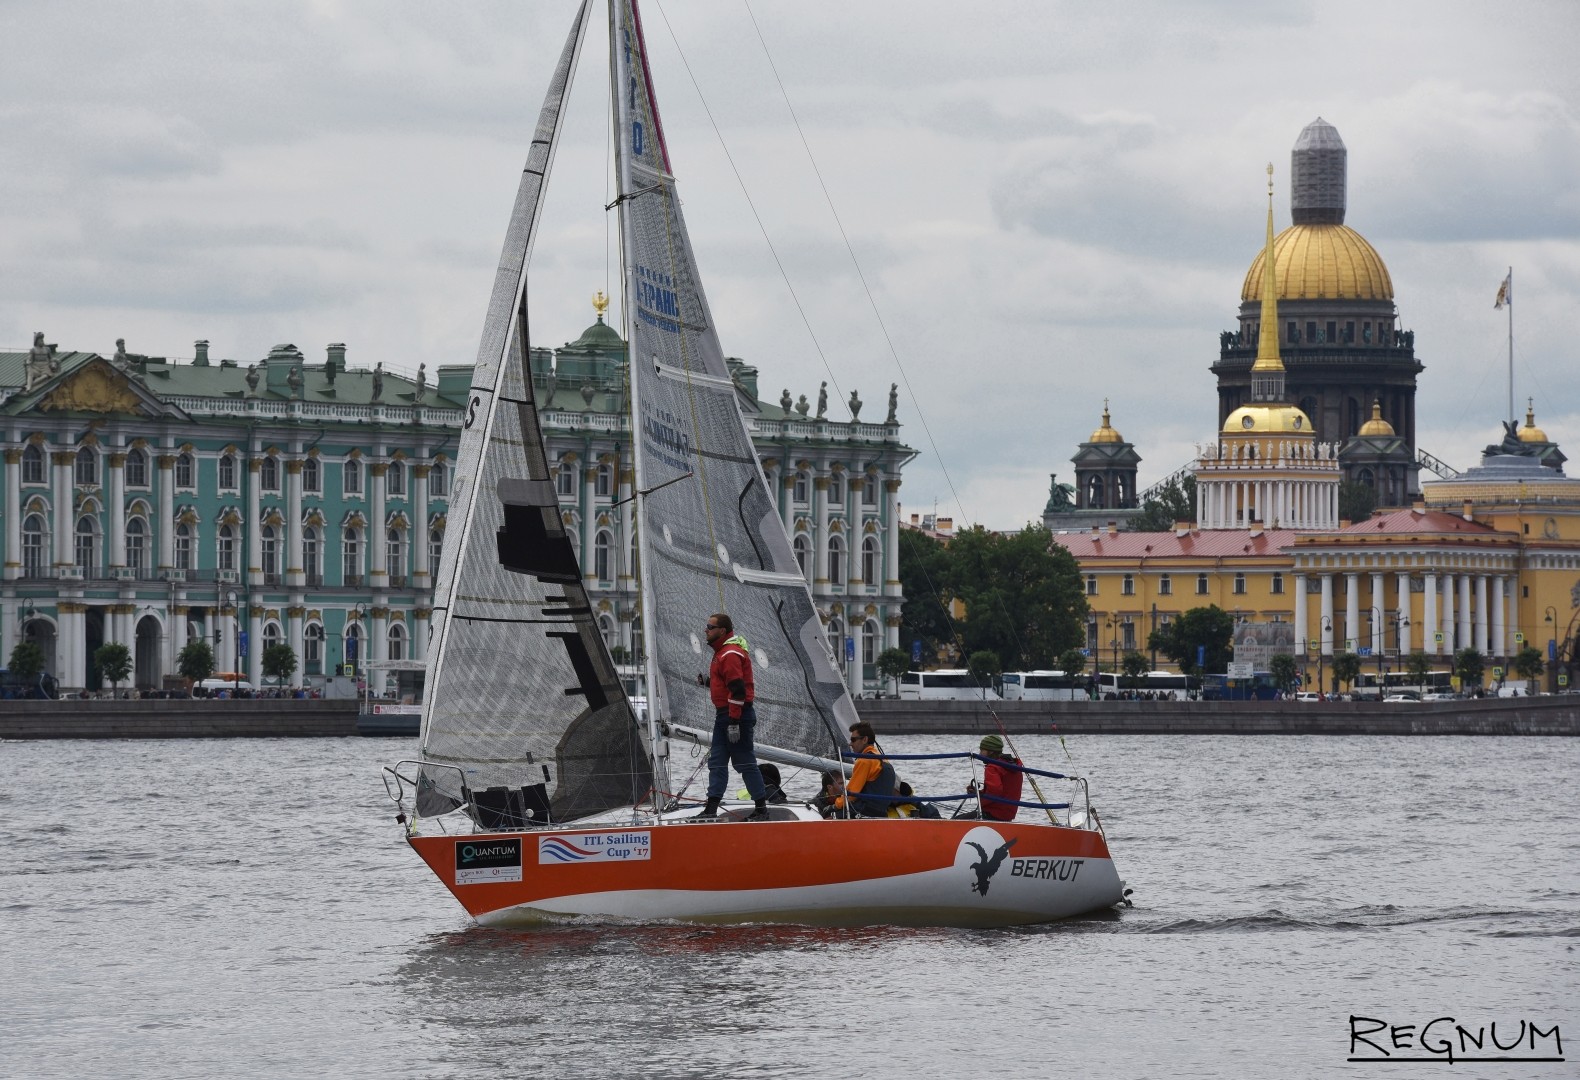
x=1508, y=302
x=621, y=78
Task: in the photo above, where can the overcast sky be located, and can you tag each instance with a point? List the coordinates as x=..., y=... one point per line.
x=1052, y=202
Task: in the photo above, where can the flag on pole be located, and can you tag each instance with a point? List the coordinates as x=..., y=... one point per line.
x=1504, y=294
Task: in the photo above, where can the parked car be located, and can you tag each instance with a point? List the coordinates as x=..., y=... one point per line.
x=1308, y=695
x=1405, y=697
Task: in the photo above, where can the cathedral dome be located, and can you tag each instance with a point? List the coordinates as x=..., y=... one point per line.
x=1106, y=433
x=1321, y=262
x=1376, y=425
x=1267, y=420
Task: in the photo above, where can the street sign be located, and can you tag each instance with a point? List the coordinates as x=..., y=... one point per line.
x=1438, y=637
x=1519, y=637
x=850, y=648
x=916, y=651
x=1349, y=645
x=348, y=670
x=1364, y=650
x=1241, y=670
x=1201, y=656
x=1563, y=680
x=1497, y=673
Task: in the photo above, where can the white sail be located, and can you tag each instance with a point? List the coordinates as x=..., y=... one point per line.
x=522, y=691
x=710, y=533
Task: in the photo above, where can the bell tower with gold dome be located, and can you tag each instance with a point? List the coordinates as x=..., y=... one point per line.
x=1336, y=323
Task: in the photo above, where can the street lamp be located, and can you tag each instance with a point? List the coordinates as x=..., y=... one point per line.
x=1113, y=644
x=1552, y=648
x=1326, y=626
x=1375, y=636
x=360, y=610
x=235, y=619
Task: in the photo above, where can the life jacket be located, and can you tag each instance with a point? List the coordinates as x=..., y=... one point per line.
x=718, y=684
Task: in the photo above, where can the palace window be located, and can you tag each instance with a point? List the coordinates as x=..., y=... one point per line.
x=351, y=477
x=435, y=551
x=226, y=548
x=869, y=492
x=136, y=469
x=312, y=476
x=136, y=545
x=1165, y=586
x=605, y=483
x=565, y=479
x=311, y=566
x=439, y=481
x=269, y=474
x=351, y=557
x=184, y=471
x=603, y=563
x=313, y=649
x=1201, y=584
x=1128, y=635
x=32, y=464
x=1091, y=584
x=836, y=560
x=869, y=561
x=397, y=641
x=836, y=487
x=803, y=553
x=395, y=479
x=87, y=466
x=183, y=545
x=271, y=635
x=33, y=546
x=870, y=638
x=270, y=555
x=1278, y=584
x=803, y=485
x=1128, y=588
x=395, y=555
x=87, y=546
x=227, y=472
x=1239, y=584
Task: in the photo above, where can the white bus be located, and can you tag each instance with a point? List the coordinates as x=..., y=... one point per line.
x=954, y=684
x=1159, y=684
x=1042, y=686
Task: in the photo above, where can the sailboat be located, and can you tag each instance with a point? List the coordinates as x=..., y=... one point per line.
x=541, y=792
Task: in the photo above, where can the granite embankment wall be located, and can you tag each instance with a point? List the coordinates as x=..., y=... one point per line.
x=327, y=719
x=1488, y=716
x=266, y=719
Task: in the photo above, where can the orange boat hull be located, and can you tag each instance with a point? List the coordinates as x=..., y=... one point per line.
x=831, y=873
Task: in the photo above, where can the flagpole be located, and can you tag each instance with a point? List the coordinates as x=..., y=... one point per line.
x=1510, y=305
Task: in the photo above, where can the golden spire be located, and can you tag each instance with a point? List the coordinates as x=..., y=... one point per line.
x=600, y=304
x=1267, y=358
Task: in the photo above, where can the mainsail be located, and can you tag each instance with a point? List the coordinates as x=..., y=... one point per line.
x=711, y=539
x=522, y=691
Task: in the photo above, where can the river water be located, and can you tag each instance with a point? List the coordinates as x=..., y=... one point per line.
x=248, y=908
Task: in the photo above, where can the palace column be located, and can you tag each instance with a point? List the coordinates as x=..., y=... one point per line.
x=1514, y=612
x=64, y=527
x=175, y=637
x=1403, y=615
x=115, y=496
x=1352, y=612
x=1380, y=603
x=421, y=579
x=1447, y=606
x=890, y=538
x=1302, y=617
x=820, y=535
x=1463, y=637
x=294, y=575
x=166, y=529
x=255, y=645
x=589, y=509
x=1429, y=642
x=1500, y=637
x=1326, y=628
x=627, y=579
x=378, y=578
x=227, y=660
x=254, y=524
x=420, y=630
x=294, y=639
x=379, y=646
x=787, y=495
x=1482, y=644
x=13, y=516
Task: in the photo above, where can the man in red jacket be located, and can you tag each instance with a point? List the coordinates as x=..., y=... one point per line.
x=734, y=718
x=998, y=782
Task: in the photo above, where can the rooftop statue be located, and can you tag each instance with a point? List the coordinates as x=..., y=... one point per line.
x=786, y=402
x=822, y=400
x=1060, y=496
x=803, y=406
x=422, y=383
x=119, y=359
x=1512, y=445
x=894, y=404
x=378, y=381
x=252, y=378
x=294, y=380
x=855, y=406
x=42, y=363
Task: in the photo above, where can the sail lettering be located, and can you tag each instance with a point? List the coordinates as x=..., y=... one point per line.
x=471, y=411
x=664, y=440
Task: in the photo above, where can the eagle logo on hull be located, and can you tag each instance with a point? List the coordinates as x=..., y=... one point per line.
x=991, y=849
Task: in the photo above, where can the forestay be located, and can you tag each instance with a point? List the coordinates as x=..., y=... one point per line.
x=711, y=537
x=522, y=690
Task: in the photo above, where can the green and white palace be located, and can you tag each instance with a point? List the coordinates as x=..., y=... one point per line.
x=153, y=501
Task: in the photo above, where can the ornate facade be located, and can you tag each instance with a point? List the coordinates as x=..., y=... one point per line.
x=151, y=502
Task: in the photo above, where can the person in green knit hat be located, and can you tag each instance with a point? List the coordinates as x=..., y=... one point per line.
x=1001, y=782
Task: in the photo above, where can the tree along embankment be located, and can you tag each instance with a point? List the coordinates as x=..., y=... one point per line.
x=1559, y=715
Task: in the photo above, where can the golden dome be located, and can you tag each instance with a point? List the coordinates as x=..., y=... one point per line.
x=1106, y=433
x=1376, y=425
x=1267, y=420
x=1530, y=432
x=1322, y=262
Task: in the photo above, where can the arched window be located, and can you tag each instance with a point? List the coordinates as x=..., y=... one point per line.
x=395, y=555
x=565, y=478
x=184, y=471
x=836, y=560
x=269, y=474
x=802, y=489
x=603, y=552
x=351, y=556
x=351, y=477
x=271, y=634
x=605, y=482
x=87, y=466
x=435, y=551
x=183, y=545
x=803, y=554
x=32, y=464
x=227, y=472
x=33, y=546
x=312, y=476
x=1094, y=493
x=439, y=481
x=87, y=546
x=395, y=478
x=836, y=487
x=313, y=649
x=136, y=545
x=836, y=641
x=226, y=550
x=270, y=556
x=870, y=561
x=397, y=641
x=311, y=565
x=606, y=630
x=869, y=491
x=871, y=638
x=136, y=468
